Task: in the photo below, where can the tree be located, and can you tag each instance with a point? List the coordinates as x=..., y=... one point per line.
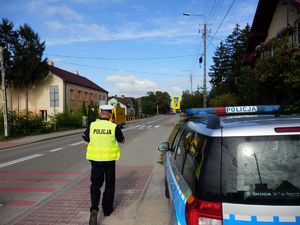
x=228, y=61
x=83, y=109
x=8, y=38
x=153, y=100
x=29, y=66
x=149, y=103
x=248, y=87
x=189, y=100
x=163, y=101
x=278, y=75
x=220, y=69
x=223, y=100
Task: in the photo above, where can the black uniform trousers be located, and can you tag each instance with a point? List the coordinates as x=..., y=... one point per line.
x=103, y=171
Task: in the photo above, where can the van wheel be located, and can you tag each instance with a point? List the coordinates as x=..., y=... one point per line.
x=167, y=194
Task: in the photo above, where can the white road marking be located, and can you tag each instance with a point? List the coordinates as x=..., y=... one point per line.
x=77, y=143
x=20, y=160
x=156, y=126
x=149, y=126
x=137, y=139
x=55, y=150
x=143, y=125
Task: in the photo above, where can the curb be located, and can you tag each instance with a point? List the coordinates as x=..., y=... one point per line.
x=40, y=140
x=142, y=196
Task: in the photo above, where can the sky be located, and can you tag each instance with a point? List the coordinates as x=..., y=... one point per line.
x=131, y=47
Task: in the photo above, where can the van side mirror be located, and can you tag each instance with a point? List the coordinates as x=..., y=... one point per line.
x=164, y=147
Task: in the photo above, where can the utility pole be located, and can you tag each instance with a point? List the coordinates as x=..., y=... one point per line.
x=204, y=67
x=4, y=93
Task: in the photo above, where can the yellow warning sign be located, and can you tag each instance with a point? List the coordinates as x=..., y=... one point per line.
x=176, y=102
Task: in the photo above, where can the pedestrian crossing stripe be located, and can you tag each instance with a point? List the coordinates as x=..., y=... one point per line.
x=145, y=127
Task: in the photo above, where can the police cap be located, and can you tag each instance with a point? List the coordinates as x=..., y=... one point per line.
x=106, y=108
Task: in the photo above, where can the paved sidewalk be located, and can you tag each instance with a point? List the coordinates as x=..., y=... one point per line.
x=37, y=138
x=154, y=207
x=139, y=197
x=71, y=206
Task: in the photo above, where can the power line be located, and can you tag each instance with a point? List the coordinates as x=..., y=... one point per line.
x=221, y=22
x=123, y=70
x=211, y=11
x=108, y=58
x=217, y=8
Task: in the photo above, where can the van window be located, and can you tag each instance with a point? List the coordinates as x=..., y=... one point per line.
x=261, y=169
x=182, y=147
x=191, y=168
x=176, y=140
x=209, y=161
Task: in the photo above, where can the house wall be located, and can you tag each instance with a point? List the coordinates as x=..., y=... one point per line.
x=114, y=103
x=279, y=20
x=76, y=95
x=38, y=96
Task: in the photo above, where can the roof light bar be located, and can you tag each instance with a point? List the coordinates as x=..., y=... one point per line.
x=255, y=109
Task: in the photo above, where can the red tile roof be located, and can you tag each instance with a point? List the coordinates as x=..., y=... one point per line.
x=124, y=100
x=73, y=78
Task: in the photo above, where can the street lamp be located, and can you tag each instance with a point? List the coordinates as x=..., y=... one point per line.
x=204, y=54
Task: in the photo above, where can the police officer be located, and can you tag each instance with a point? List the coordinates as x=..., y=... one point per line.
x=101, y=139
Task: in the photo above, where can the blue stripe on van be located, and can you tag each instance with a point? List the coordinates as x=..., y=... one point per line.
x=233, y=221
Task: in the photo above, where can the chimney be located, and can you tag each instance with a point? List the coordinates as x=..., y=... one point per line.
x=77, y=73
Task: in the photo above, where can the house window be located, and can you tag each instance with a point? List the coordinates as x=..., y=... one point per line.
x=298, y=32
x=91, y=100
x=86, y=96
x=43, y=115
x=72, y=94
x=54, y=97
x=79, y=96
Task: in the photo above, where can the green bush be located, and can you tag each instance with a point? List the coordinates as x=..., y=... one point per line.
x=23, y=124
x=66, y=120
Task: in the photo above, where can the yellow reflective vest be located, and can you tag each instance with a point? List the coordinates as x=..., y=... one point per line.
x=103, y=145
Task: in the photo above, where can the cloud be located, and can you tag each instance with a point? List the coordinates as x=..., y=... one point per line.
x=63, y=11
x=130, y=85
x=176, y=90
x=98, y=1
x=76, y=32
x=45, y=8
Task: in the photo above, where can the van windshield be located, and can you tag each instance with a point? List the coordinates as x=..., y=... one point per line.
x=261, y=169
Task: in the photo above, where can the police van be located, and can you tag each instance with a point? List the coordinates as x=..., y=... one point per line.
x=227, y=168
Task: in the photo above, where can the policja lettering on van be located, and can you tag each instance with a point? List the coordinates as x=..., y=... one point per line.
x=102, y=131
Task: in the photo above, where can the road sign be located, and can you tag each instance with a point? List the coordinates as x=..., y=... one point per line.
x=176, y=102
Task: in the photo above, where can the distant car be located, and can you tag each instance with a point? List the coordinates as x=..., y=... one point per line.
x=234, y=170
x=172, y=113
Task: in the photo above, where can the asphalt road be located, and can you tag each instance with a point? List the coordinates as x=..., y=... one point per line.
x=36, y=172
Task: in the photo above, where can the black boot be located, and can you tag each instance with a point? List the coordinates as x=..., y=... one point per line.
x=93, y=217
